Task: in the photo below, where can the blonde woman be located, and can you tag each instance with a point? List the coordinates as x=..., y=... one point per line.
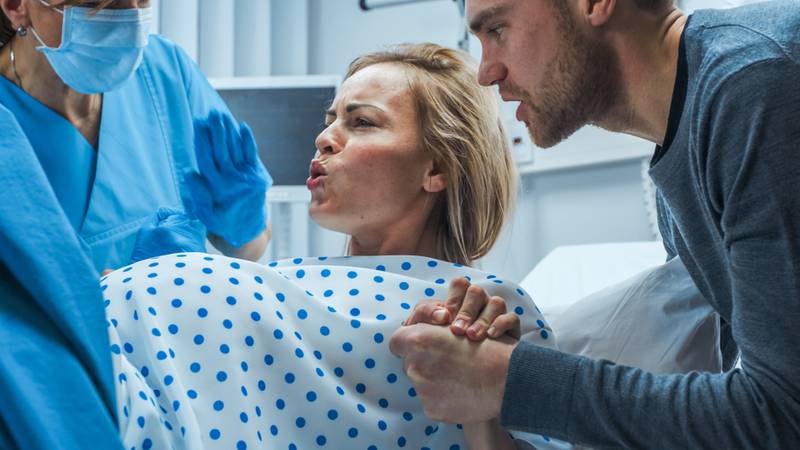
x=214, y=352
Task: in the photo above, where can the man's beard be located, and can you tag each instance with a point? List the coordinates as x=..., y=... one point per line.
x=581, y=86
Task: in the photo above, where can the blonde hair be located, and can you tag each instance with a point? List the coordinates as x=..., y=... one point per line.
x=460, y=127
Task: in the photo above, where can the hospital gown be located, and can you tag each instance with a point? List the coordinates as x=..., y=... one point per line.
x=214, y=352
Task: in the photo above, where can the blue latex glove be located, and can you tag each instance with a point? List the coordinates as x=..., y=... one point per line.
x=229, y=193
x=169, y=231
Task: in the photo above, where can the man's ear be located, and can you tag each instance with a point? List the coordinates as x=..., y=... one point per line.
x=596, y=13
x=435, y=180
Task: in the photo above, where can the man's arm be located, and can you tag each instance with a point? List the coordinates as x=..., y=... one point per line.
x=753, y=180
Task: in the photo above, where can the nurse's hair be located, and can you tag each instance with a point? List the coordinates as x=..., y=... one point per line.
x=7, y=29
x=460, y=128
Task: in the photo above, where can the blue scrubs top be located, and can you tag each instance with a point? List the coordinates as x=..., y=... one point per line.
x=145, y=145
x=56, y=387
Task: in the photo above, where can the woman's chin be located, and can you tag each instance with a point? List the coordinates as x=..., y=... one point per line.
x=325, y=218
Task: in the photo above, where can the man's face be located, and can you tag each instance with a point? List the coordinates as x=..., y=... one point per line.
x=535, y=53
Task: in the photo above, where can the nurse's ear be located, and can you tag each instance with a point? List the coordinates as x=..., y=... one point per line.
x=435, y=179
x=17, y=13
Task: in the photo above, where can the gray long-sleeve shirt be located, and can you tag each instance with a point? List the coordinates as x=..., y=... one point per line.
x=729, y=185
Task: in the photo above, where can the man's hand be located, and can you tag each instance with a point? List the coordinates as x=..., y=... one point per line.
x=457, y=380
x=471, y=310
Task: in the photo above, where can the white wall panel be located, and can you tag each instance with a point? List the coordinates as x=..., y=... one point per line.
x=179, y=22
x=252, y=33
x=216, y=37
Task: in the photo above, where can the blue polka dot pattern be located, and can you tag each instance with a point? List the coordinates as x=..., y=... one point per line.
x=195, y=336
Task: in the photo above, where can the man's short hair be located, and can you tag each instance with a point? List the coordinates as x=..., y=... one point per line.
x=653, y=5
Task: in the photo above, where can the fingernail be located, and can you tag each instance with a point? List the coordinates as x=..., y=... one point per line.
x=439, y=315
x=460, y=323
x=492, y=331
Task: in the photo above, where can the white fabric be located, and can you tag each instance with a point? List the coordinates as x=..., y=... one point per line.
x=569, y=273
x=620, y=302
x=656, y=321
x=212, y=352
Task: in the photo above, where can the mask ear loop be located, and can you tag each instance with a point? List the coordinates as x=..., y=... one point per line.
x=51, y=7
x=33, y=30
x=36, y=35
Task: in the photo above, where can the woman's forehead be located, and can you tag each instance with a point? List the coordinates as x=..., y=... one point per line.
x=382, y=83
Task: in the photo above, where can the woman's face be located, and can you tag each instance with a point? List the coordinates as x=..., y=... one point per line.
x=48, y=20
x=370, y=175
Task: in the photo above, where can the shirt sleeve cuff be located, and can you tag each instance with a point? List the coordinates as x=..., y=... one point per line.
x=539, y=386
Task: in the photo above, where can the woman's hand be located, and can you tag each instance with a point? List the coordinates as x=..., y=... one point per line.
x=470, y=311
x=229, y=193
x=168, y=231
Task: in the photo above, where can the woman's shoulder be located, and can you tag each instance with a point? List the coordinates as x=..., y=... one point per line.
x=167, y=57
x=417, y=267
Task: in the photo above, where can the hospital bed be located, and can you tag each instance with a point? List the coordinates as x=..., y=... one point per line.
x=622, y=302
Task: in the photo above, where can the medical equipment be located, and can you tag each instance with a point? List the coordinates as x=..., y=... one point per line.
x=285, y=114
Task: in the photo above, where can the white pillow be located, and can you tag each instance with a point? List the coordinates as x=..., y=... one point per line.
x=570, y=273
x=657, y=321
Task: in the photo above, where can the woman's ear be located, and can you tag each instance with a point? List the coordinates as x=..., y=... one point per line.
x=16, y=11
x=435, y=180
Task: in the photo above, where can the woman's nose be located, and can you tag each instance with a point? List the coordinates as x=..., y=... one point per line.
x=327, y=141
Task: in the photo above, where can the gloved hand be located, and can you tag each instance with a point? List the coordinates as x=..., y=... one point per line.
x=229, y=193
x=169, y=231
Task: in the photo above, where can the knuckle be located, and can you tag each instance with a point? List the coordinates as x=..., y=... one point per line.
x=498, y=303
x=459, y=282
x=476, y=290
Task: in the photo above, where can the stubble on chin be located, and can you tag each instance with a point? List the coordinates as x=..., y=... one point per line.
x=582, y=86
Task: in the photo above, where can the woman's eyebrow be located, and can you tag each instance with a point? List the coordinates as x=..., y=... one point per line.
x=355, y=106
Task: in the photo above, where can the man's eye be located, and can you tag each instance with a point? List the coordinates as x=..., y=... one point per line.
x=497, y=31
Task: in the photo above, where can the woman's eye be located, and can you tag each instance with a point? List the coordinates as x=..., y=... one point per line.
x=363, y=123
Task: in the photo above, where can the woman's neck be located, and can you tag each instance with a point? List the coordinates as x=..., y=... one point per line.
x=39, y=80
x=410, y=238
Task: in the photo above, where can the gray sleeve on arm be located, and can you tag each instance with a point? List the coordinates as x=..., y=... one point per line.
x=752, y=179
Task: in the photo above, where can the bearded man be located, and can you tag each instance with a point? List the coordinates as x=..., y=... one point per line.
x=718, y=92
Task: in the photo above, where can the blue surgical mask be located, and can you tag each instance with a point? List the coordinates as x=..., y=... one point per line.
x=100, y=50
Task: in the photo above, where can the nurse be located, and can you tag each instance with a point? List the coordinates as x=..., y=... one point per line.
x=120, y=122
